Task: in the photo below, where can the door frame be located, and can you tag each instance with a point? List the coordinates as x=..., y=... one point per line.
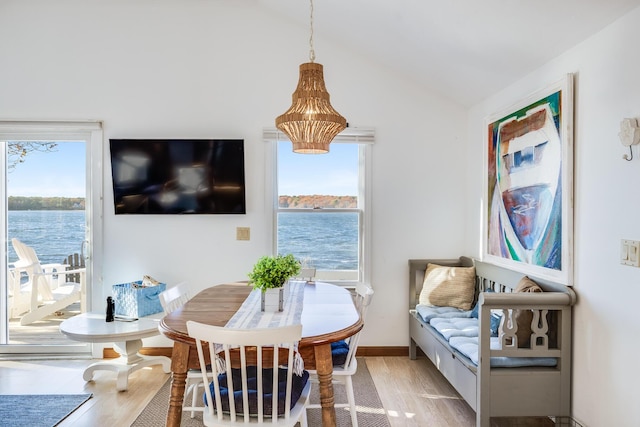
x=92, y=133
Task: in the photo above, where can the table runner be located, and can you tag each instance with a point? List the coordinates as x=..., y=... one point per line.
x=250, y=316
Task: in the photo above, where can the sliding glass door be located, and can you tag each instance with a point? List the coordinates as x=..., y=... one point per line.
x=51, y=191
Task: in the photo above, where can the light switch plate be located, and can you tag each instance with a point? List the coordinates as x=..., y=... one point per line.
x=630, y=253
x=243, y=233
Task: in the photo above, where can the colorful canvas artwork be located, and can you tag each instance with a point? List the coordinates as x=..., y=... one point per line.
x=528, y=202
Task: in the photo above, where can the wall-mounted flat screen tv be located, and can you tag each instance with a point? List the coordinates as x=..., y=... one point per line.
x=178, y=176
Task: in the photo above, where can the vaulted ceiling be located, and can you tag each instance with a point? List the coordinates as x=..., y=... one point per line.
x=465, y=49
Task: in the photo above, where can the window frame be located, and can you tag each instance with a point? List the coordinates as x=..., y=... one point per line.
x=90, y=132
x=365, y=139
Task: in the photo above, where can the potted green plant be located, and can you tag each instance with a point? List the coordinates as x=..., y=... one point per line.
x=273, y=272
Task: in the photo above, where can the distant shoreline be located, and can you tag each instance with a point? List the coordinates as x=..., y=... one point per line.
x=21, y=203
x=318, y=201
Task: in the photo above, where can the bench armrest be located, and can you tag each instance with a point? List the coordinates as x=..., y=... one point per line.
x=494, y=300
x=540, y=305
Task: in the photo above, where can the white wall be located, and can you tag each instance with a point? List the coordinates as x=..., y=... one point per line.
x=606, y=327
x=168, y=68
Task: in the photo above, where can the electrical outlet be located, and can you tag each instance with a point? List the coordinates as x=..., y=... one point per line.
x=630, y=253
x=243, y=233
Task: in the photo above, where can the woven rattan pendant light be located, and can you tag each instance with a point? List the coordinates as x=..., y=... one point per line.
x=311, y=122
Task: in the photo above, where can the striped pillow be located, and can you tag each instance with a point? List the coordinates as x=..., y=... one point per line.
x=449, y=286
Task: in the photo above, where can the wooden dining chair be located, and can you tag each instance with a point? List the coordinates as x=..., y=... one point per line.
x=343, y=353
x=255, y=379
x=170, y=300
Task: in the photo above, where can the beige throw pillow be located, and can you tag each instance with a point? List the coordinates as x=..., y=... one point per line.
x=449, y=286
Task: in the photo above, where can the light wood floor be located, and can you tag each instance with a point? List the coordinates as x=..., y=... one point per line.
x=412, y=392
x=42, y=332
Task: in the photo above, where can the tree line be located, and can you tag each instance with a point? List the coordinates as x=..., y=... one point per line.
x=20, y=203
x=316, y=201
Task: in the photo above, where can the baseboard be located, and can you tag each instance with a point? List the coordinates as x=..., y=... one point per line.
x=382, y=351
x=566, y=421
x=363, y=351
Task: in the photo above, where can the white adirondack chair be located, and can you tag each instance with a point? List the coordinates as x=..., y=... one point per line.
x=46, y=290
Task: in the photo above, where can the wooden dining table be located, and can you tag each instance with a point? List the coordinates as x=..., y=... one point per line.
x=328, y=315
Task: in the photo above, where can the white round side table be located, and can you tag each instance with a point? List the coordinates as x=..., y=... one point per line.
x=127, y=338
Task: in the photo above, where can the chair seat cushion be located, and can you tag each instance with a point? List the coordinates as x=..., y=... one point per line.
x=298, y=384
x=339, y=351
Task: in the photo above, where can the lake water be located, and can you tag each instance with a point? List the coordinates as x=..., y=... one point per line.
x=53, y=234
x=328, y=240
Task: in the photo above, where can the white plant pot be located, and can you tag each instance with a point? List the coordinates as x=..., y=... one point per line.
x=272, y=299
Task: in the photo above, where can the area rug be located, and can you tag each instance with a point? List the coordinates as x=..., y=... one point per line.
x=38, y=410
x=370, y=410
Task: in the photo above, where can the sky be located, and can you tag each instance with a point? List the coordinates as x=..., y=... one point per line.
x=58, y=173
x=334, y=174
x=61, y=172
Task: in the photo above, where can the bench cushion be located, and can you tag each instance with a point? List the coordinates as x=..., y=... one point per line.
x=428, y=312
x=456, y=327
x=468, y=346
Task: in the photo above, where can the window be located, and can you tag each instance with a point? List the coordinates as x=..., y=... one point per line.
x=321, y=213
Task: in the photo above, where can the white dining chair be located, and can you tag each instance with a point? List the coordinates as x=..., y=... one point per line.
x=255, y=378
x=175, y=297
x=345, y=364
x=170, y=300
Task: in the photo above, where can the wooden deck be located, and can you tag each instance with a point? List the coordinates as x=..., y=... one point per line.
x=42, y=332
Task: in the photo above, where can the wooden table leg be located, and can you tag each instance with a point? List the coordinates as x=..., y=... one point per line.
x=179, y=362
x=324, y=368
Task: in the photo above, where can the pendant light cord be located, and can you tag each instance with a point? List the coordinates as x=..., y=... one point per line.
x=312, y=53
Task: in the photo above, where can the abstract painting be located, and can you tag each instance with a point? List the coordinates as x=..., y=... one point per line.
x=528, y=175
